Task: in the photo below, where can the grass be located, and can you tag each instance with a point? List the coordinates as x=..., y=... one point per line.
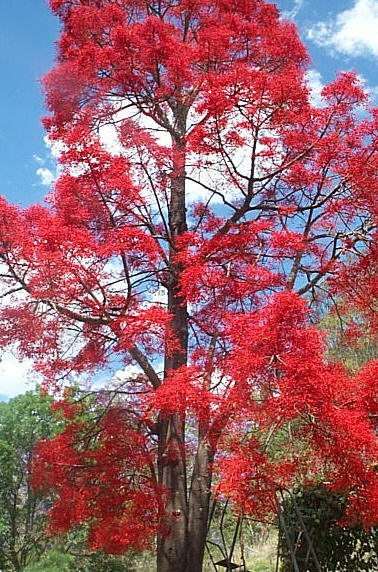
x=262, y=556
x=260, y=553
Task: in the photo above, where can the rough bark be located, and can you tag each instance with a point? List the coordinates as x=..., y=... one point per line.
x=199, y=502
x=172, y=543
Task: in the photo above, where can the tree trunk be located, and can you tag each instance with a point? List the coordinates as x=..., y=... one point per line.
x=199, y=502
x=182, y=548
x=172, y=542
x=181, y=545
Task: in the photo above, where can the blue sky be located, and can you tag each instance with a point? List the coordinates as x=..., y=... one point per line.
x=27, y=35
x=339, y=34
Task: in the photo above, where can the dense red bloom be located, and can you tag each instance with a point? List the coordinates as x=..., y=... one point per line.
x=101, y=474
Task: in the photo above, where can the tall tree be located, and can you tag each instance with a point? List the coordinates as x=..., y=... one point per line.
x=201, y=195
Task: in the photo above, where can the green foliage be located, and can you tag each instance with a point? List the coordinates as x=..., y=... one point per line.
x=61, y=561
x=23, y=421
x=53, y=561
x=101, y=562
x=339, y=549
x=86, y=560
x=352, y=352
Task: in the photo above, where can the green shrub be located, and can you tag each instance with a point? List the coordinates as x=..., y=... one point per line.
x=338, y=548
x=53, y=561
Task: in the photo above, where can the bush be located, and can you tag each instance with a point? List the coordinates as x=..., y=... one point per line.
x=53, y=561
x=338, y=548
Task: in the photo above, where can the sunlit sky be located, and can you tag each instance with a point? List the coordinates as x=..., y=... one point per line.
x=339, y=34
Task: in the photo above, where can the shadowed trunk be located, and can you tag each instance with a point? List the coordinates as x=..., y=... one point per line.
x=172, y=543
x=199, y=501
x=182, y=543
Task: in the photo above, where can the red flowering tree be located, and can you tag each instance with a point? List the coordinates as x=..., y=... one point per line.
x=203, y=202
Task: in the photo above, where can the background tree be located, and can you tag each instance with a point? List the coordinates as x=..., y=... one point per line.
x=349, y=336
x=25, y=538
x=200, y=198
x=23, y=512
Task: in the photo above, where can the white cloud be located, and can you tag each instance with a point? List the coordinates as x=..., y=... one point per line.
x=123, y=376
x=314, y=80
x=38, y=159
x=353, y=32
x=297, y=7
x=15, y=375
x=55, y=148
x=46, y=176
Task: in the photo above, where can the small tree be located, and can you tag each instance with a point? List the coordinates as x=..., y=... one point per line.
x=202, y=201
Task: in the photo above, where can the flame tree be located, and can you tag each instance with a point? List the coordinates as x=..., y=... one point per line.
x=203, y=202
